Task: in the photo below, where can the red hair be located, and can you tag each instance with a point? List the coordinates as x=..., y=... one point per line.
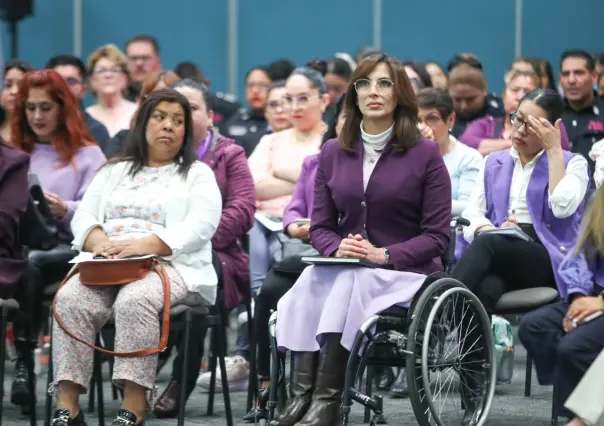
x=71, y=134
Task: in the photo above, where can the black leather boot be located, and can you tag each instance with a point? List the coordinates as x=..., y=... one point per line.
x=400, y=388
x=166, y=406
x=20, y=392
x=471, y=390
x=304, y=369
x=327, y=397
x=63, y=418
x=384, y=378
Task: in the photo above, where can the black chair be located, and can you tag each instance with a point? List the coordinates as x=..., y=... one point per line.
x=8, y=306
x=188, y=315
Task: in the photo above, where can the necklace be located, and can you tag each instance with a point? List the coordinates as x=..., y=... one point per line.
x=373, y=156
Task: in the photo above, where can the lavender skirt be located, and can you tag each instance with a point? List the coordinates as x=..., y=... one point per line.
x=338, y=299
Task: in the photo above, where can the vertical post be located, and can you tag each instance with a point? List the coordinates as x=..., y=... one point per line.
x=77, y=27
x=232, y=45
x=13, y=26
x=377, y=24
x=518, y=28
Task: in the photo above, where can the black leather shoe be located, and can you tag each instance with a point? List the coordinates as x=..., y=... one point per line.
x=255, y=414
x=166, y=406
x=20, y=392
x=125, y=418
x=384, y=378
x=400, y=388
x=63, y=418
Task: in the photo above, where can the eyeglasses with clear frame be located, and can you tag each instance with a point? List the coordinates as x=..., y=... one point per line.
x=364, y=85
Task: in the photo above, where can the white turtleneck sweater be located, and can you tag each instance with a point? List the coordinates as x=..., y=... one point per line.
x=373, y=145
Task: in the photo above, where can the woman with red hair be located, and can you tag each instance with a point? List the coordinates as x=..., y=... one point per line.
x=46, y=123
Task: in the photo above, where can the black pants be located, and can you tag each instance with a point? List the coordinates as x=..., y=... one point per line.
x=560, y=359
x=274, y=287
x=44, y=268
x=494, y=264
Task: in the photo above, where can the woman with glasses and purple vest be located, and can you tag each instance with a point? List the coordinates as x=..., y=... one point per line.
x=535, y=187
x=564, y=339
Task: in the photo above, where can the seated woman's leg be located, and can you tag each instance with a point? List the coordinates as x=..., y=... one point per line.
x=274, y=287
x=43, y=268
x=518, y=263
x=83, y=310
x=137, y=326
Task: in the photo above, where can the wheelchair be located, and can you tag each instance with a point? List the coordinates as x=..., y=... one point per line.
x=426, y=340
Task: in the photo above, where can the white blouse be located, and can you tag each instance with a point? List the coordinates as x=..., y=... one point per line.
x=564, y=200
x=373, y=145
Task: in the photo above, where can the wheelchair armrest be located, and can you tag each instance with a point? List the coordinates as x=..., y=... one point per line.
x=457, y=224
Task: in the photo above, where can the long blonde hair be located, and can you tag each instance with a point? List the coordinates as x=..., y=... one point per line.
x=592, y=234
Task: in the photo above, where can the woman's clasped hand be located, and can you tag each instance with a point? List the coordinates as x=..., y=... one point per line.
x=357, y=247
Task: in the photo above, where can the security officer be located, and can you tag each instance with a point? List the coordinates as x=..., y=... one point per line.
x=224, y=105
x=584, y=113
x=247, y=126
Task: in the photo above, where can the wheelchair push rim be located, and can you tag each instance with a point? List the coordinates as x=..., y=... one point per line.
x=480, y=412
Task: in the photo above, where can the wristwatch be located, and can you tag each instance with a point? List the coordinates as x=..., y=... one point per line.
x=387, y=256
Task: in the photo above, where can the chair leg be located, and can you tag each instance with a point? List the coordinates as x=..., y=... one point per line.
x=97, y=374
x=213, y=350
x=554, y=408
x=185, y=364
x=31, y=383
x=2, y=356
x=49, y=380
x=368, y=390
x=528, y=376
x=225, y=381
x=252, y=386
x=92, y=387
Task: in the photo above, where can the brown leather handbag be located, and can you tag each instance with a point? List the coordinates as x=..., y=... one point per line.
x=121, y=272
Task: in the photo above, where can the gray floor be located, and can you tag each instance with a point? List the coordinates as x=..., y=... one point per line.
x=510, y=407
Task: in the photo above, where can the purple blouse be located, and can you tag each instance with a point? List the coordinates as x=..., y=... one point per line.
x=300, y=206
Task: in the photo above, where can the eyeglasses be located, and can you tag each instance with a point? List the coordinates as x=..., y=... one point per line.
x=259, y=86
x=275, y=105
x=364, y=85
x=301, y=101
x=517, y=122
x=139, y=58
x=431, y=120
x=72, y=81
x=110, y=71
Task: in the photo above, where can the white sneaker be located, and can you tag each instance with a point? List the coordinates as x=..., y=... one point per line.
x=242, y=317
x=238, y=371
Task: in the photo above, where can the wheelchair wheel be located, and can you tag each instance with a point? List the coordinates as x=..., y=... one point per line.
x=418, y=316
x=457, y=377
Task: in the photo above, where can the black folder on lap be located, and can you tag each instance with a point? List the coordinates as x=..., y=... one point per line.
x=512, y=232
x=337, y=261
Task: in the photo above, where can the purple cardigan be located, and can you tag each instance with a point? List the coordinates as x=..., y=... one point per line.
x=484, y=128
x=234, y=179
x=300, y=206
x=406, y=207
x=14, y=192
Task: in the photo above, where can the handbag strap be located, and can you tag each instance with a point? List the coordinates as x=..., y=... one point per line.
x=165, y=328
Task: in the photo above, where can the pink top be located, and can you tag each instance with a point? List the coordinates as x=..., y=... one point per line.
x=278, y=148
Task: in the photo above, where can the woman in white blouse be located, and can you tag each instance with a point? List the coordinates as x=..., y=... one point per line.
x=534, y=187
x=108, y=80
x=156, y=200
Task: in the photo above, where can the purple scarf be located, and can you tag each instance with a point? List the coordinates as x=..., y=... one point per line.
x=203, y=147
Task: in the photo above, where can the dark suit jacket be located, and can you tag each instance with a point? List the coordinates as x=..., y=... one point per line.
x=14, y=192
x=406, y=208
x=238, y=207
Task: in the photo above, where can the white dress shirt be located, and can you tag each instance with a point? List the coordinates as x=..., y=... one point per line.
x=373, y=146
x=563, y=201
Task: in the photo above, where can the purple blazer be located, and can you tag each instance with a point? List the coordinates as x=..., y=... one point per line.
x=14, y=192
x=300, y=206
x=485, y=127
x=406, y=207
x=238, y=207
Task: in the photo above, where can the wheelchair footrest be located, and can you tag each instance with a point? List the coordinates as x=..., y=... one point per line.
x=374, y=403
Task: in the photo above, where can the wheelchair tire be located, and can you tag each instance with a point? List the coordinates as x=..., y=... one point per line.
x=421, y=311
x=486, y=332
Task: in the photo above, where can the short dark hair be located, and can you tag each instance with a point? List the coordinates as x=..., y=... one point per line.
x=581, y=54
x=136, y=149
x=313, y=76
x=468, y=60
x=279, y=84
x=331, y=132
x=547, y=99
x=67, y=60
x=19, y=64
x=340, y=67
x=195, y=85
x=421, y=71
x=190, y=70
x=144, y=38
x=405, y=133
x=431, y=97
x=280, y=69
x=599, y=58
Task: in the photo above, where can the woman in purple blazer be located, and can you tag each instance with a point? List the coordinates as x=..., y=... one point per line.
x=234, y=180
x=536, y=187
x=383, y=195
x=13, y=203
